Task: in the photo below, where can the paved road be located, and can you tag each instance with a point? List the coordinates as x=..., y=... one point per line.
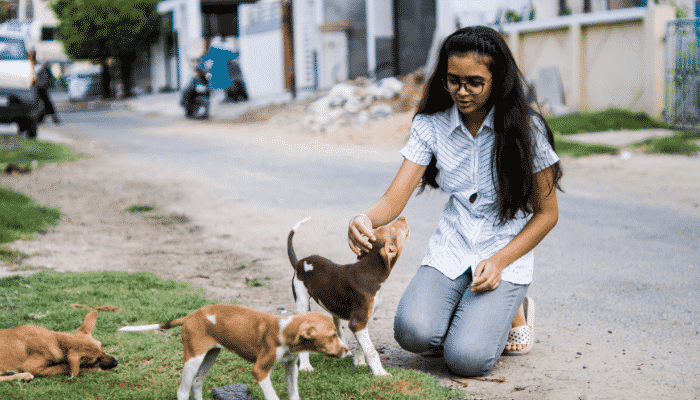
x=616, y=283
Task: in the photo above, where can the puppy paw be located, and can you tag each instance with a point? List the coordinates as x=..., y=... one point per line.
x=382, y=373
x=26, y=376
x=359, y=359
x=306, y=367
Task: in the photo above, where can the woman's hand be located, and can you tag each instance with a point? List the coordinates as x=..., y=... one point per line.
x=487, y=276
x=360, y=234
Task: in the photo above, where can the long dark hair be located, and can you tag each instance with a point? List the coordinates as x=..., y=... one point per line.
x=512, y=152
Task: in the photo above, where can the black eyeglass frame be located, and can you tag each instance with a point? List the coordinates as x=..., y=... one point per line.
x=463, y=85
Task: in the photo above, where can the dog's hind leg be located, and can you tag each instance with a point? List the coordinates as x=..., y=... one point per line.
x=303, y=304
x=341, y=332
x=198, y=381
x=189, y=372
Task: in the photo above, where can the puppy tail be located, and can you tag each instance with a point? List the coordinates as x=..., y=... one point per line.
x=139, y=328
x=290, y=249
x=152, y=327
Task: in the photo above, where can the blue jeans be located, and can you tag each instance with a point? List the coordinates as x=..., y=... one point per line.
x=472, y=327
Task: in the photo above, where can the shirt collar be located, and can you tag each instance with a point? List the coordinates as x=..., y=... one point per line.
x=456, y=121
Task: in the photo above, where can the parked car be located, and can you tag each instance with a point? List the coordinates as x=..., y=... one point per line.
x=19, y=102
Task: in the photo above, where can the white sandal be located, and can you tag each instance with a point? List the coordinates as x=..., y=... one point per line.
x=524, y=334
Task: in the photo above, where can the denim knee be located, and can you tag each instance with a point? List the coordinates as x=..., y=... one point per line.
x=411, y=333
x=469, y=360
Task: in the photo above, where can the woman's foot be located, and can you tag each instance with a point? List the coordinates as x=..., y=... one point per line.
x=521, y=335
x=519, y=320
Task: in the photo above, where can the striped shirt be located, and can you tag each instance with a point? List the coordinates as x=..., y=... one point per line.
x=467, y=232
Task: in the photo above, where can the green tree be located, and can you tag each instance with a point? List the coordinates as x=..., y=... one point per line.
x=98, y=30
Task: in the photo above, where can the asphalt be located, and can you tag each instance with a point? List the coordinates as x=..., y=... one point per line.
x=163, y=104
x=168, y=104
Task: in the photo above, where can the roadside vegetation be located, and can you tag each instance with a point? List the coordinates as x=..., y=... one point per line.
x=681, y=142
x=45, y=299
x=20, y=216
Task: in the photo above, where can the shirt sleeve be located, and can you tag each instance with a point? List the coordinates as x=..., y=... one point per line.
x=418, y=149
x=544, y=155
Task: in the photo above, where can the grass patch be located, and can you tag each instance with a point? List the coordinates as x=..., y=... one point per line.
x=12, y=257
x=255, y=282
x=140, y=208
x=19, y=150
x=681, y=143
x=169, y=219
x=612, y=119
x=20, y=216
x=43, y=299
x=573, y=148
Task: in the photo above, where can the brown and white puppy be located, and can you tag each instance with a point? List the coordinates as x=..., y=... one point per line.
x=349, y=292
x=27, y=351
x=259, y=337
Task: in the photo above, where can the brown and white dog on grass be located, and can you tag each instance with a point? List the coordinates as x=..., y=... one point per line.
x=28, y=351
x=259, y=337
x=349, y=292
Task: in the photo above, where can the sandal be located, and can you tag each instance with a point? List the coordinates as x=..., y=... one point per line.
x=524, y=334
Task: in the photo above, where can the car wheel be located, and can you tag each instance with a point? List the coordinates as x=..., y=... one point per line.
x=30, y=128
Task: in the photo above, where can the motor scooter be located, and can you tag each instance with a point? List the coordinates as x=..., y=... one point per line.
x=195, y=98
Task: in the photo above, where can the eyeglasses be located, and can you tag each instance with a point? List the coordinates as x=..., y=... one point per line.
x=453, y=84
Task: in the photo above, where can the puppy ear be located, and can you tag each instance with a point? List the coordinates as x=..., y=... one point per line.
x=389, y=252
x=306, y=331
x=88, y=324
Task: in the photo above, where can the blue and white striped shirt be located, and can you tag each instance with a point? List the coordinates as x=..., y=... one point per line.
x=467, y=232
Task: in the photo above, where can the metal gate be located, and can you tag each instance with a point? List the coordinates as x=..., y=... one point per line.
x=682, y=108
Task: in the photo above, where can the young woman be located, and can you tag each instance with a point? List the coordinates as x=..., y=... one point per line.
x=476, y=137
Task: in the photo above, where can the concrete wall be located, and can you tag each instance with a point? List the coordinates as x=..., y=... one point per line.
x=607, y=59
x=187, y=22
x=261, y=48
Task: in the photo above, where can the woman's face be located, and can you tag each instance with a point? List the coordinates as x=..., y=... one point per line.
x=471, y=71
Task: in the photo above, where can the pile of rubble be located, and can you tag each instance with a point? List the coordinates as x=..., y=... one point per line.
x=361, y=101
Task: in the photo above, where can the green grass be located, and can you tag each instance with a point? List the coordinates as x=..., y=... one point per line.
x=615, y=119
x=20, y=216
x=681, y=143
x=573, y=148
x=22, y=151
x=140, y=208
x=612, y=119
x=150, y=363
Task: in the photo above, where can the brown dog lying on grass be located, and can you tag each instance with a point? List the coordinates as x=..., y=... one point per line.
x=28, y=351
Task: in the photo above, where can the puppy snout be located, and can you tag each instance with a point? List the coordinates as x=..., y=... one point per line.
x=343, y=349
x=108, y=363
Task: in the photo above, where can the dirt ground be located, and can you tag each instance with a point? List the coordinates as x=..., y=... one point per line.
x=195, y=237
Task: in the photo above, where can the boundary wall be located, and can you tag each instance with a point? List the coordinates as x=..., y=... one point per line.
x=605, y=59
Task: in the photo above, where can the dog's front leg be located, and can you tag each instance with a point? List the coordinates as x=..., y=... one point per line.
x=268, y=390
x=292, y=372
x=375, y=364
x=21, y=376
x=262, y=371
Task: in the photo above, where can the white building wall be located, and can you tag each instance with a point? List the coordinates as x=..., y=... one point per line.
x=187, y=22
x=261, y=48
x=307, y=46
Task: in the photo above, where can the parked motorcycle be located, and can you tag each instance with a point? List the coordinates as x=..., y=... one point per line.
x=195, y=98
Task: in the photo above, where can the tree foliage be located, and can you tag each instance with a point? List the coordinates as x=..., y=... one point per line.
x=99, y=29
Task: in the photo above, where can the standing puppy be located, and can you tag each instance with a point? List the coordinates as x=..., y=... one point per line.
x=259, y=337
x=28, y=351
x=350, y=292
